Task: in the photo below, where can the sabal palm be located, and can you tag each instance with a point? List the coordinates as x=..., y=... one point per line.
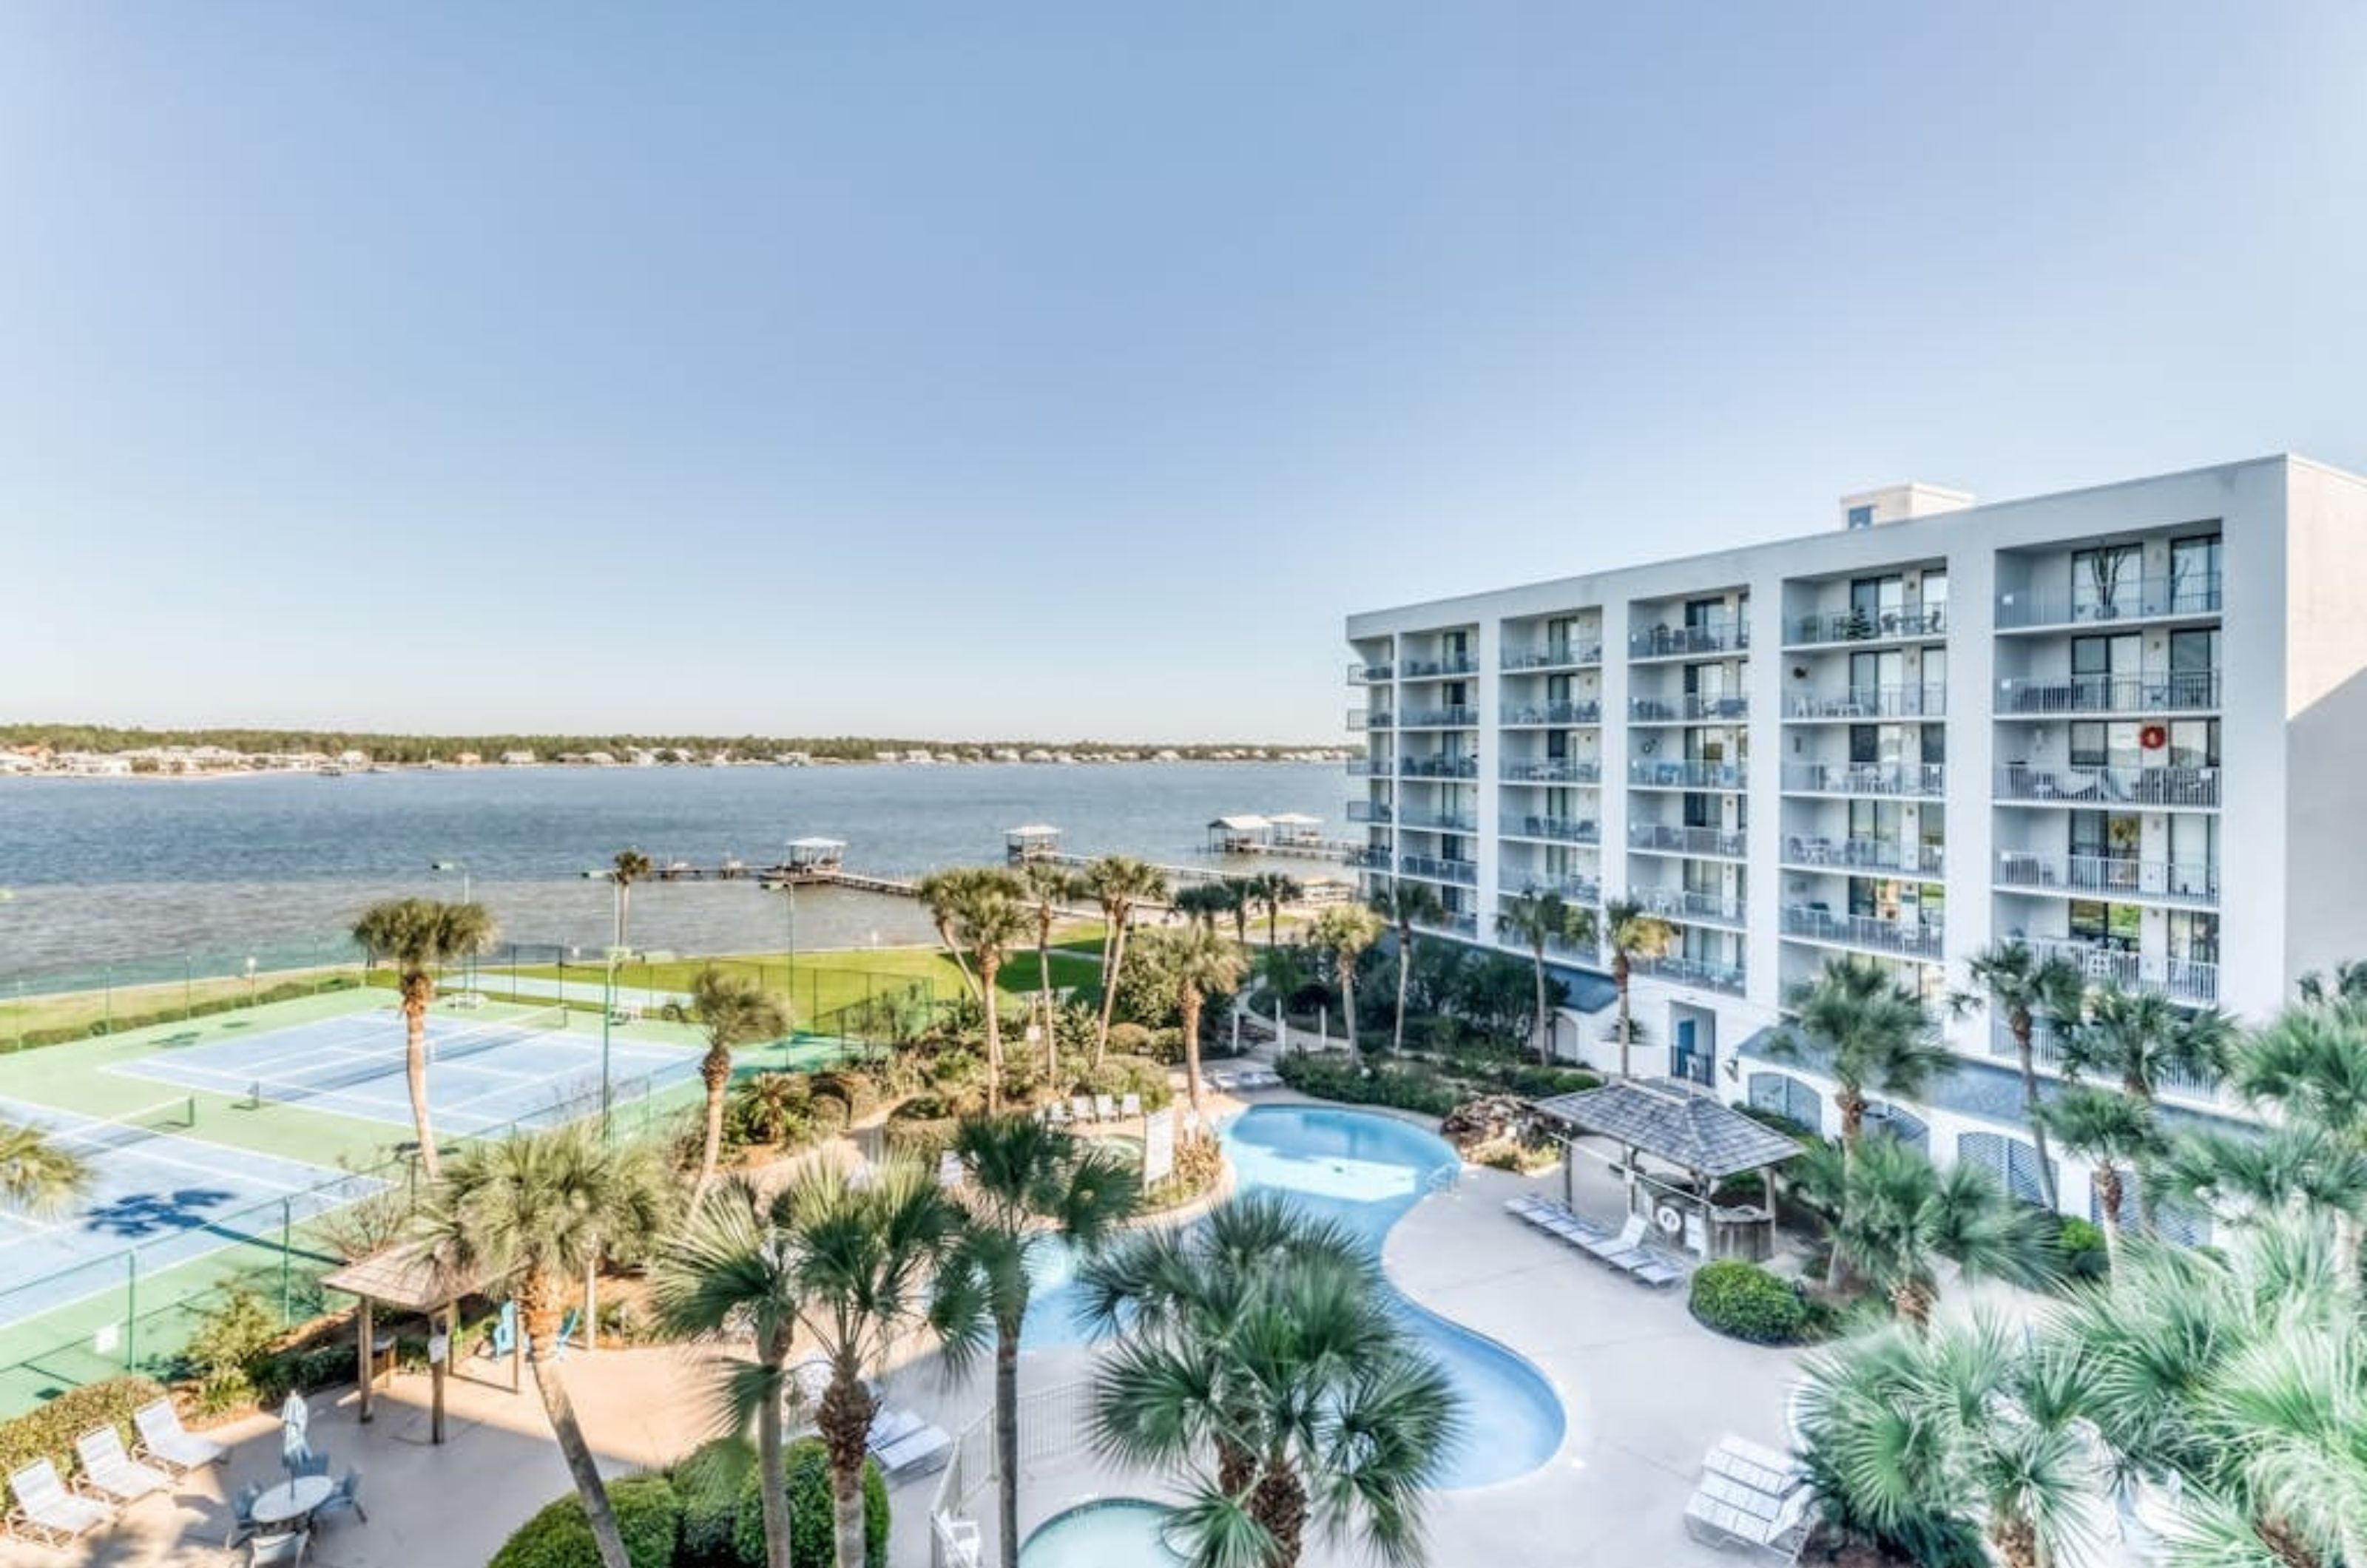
x=2117, y=1133
x=1047, y=887
x=1872, y=1033
x=1200, y=965
x=1343, y=932
x=1260, y=1352
x=2138, y=1040
x=1028, y=1188
x=39, y=1176
x=943, y=894
x=1121, y=885
x=725, y=1276
x=990, y=920
x=1894, y=1217
x=1535, y=920
x=2020, y=985
x=1240, y=895
x=1631, y=931
x=1404, y=905
x=1206, y=903
x=2309, y=1065
x=1272, y=889
x=629, y=866
x=865, y=1254
x=2349, y=983
x=732, y=1009
x=416, y=935
x=539, y=1209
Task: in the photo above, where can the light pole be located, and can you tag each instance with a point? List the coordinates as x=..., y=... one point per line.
x=250, y=979
x=462, y=867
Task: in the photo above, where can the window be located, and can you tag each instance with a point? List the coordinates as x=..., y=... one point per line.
x=1787, y=1096
x=2105, y=835
x=1876, y=821
x=2098, y=744
x=1875, y=604
x=2194, y=936
x=2194, y=743
x=1933, y=593
x=2102, y=581
x=1861, y=516
x=2012, y=1162
x=2107, y=925
x=1874, y=674
x=2194, y=566
x=2194, y=667
x=2104, y=671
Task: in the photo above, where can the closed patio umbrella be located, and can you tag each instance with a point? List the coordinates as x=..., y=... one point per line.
x=294, y=1418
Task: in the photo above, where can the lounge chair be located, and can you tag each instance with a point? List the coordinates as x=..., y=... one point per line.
x=919, y=1452
x=1753, y=1465
x=1130, y=1107
x=286, y=1548
x=349, y=1494
x=1056, y=1114
x=1105, y=1107
x=1081, y=1110
x=47, y=1511
x=171, y=1445
x=1727, y=1527
x=1629, y=1239
x=892, y=1426
x=106, y=1466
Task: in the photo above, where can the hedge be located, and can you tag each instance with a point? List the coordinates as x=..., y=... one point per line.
x=49, y=1431
x=649, y=1517
x=1379, y=1086
x=99, y=1028
x=1745, y=1302
x=812, y=1514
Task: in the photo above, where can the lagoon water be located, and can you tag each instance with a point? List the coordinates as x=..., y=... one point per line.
x=113, y=869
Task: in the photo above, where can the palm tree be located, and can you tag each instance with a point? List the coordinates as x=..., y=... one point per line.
x=1535, y=920
x=2020, y=985
x=541, y=1209
x=864, y=1256
x=629, y=866
x=1344, y=932
x=1894, y=1217
x=1241, y=892
x=1631, y=931
x=1201, y=964
x=416, y=935
x=2309, y=1065
x=724, y=1277
x=1872, y=1033
x=2139, y=1039
x=1260, y=1350
x=2349, y=984
x=990, y=920
x=1273, y=889
x=1029, y=1188
x=1121, y=885
x=1206, y=903
x=38, y=1175
x=1048, y=887
x=732, y=1009
x=943, y=894
x=1405, y=905
x=2112, y=1131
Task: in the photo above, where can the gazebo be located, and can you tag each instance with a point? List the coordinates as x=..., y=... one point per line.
x=1295, y=828
x=1036, y=840
x=1696, y=1141
x=1240, y=833
x=408, y=1279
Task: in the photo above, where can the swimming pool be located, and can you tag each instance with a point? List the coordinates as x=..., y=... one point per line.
x=1366, y=1171
x=1120, y=1532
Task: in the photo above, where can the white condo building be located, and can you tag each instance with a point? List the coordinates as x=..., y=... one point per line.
x=2127, y=722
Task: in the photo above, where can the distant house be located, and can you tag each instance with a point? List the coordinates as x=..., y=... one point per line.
x=518, y=759
x=467, y=759
x=599, y=760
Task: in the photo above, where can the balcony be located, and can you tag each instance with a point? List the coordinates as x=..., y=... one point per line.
x=2152, y=597
x=1870, y=702
x=2197, y=787
x=1368, y=675
x=1663, y=838
x=1585, y=953
x=1532, y=715
x=1688, y=905
x=1576, y=889
x=1451, y=924
x=1691, y=708
x=1865, y=854
x=1560, y=830
x=1461, y=717
x=1438, y=868
x=1929, y=779
x=1370, y=718
x=1688, y=776
x=2182, y=690
x=1371, y=857
x=1903, y=623
x=1439, y=768
x=1907, y=939
x=1550, y=771
x=1439, y=821
x=1680, y=642
x=1436, y=669
x=1369, y=811
x=1553, y=655
x=2186, y=980
x=2047, y=1042
x=1679, y=970
x=2108, y=876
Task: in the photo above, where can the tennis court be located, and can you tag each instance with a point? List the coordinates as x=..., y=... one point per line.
x=171, y=1197
x=486, y=1074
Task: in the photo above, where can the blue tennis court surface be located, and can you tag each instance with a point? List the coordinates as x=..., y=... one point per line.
x=173, y=1198
x=483, y=1075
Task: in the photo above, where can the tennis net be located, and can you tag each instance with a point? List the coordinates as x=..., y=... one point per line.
x=161, y=1120
x=491, y=1036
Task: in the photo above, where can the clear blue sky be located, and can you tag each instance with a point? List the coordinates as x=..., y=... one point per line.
x=1072, y=370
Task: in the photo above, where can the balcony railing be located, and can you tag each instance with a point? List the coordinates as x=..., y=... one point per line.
x=1451, y=924
x=1911, y=939
x=1439, y=768
x=2181, y=979
x=2110, y=876
x=1550, y=771
x=1866, y=778
x=2196, y=594
x=2049, y=1040
x=1371, y=857
x=1431, y=668
x=1577, y=889
x=1679, y=970
x=1870, y=702
x=1370, y=718
x=1553, y=655
x=1439, y=821
x=1687, y=903
x=1911, y=619
x=1366, y=675
x=2132, y=786
x=1664, y=838
x=1438, y=868
x=1551, y=713
x=1370, y=767
x=1688, y=776
x=1369, y=811
x=1585, y=953
x=1692, y=708
x=1865, y=855
x=1460, y=717
x=1663, y=642
x=1561, y=830
x=2182, y=691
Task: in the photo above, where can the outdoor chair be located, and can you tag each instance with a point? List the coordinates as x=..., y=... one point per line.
x=165, y=1440
x=1056, y=1114
x=1754, y=1465
x=311, y=1461
x=242, y=1515
x=287, y=1547
x=106, y=1466
x=1781, y=1537
x=47, y=1511
x=1081, y=1108
x=1130, y=1107
x=349, y=1494
x=921, y=1451
x=1629, y=1239
x=1105, y=1107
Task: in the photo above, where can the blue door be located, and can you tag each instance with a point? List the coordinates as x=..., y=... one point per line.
x=1689, y=1063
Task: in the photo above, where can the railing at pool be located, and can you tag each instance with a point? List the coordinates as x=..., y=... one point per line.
x=1054, y=1423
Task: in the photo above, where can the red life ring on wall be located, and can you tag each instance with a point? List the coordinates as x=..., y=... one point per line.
x=2153, y=736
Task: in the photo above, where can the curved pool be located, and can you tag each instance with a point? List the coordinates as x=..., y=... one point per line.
x=1366, y=1171
x=1119, y=1532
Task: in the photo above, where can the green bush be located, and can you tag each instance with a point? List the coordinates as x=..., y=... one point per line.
x=1798, y=1132
x=48, y=1432
x=708, y=1486
x=812, y=1541
x=2081, y=1248
x=1130, y=1040
x=853, y=1092
x=1743, y=1301
x=648, y=1516
x=920, y=1138
x=1529, y=1081
x=1394, y=1088
x=1120, y=1076
x=234, y=1339
x=287, y=990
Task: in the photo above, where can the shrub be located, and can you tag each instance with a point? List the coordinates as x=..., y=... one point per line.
x=1799, y=1131
x=2081, y=1247
x=707, y=1486
x=1399, y=1089
x=1529, y=1081
x=1123, y=1075
x=855, y=1092
x=1199, y=1163
x=1130, y=1040
x=647, y=1516
x=1744, y=1301
x=920, y=1138
x=812, y=1544
x=772, y=1109
x=234, y=1339
x=48, y=1432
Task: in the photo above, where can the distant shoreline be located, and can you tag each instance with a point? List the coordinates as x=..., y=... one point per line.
x=199, y=775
